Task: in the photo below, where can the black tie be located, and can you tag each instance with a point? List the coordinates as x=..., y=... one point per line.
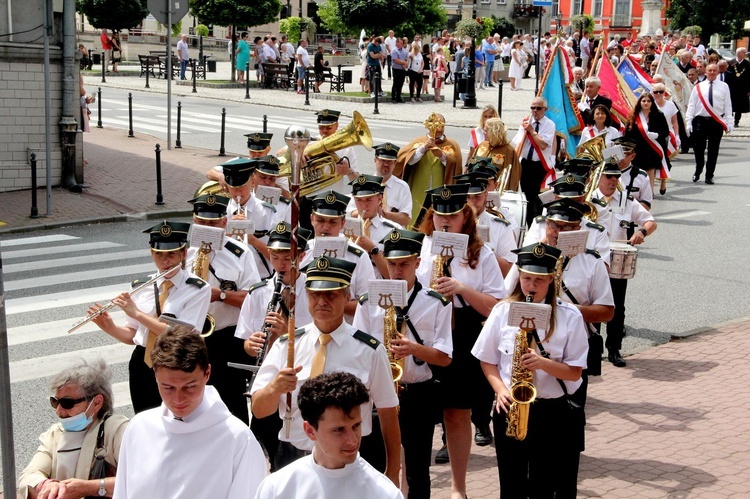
x=531, y=144
x=591, y=103
x=711, y=93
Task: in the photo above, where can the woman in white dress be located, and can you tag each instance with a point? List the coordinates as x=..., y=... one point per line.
x=363, y=81
x=517, y=57
x=670, y=111
x=600, y=124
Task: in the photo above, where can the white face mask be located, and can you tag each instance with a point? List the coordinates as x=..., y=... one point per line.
x=79, y=422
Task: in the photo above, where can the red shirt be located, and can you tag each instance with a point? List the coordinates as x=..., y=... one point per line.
x=106, y=44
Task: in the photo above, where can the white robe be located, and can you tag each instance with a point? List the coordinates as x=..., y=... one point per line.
x=211, y=455
x=306, y=479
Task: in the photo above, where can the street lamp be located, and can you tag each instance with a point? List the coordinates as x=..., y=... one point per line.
x=558, y=22
x=300, y=9
x=288, y=8
x=460, y=10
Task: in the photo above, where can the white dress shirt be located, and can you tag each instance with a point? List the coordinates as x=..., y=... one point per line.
x=264, y=215
x=642, y=191
x=722, y=106
x=502, y=238
x=619, y=222
x=362, y=272
x=546, y=133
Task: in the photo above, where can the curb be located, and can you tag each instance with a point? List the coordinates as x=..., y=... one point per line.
x=127, y=217
x=708, y=329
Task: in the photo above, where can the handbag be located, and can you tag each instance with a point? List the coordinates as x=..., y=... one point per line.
x=101, y=468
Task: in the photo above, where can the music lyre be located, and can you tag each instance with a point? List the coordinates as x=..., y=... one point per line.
x=528, y=323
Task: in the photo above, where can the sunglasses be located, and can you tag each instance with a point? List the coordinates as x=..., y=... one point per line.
x=536, y=108
x=610, y=177
x=66, y=402
x=657, y=92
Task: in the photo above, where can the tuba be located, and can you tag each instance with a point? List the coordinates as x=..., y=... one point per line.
x=201, y=269
x=593, y=149
x=211, y=187
x=522, y=389
x=320, y=170
x=390, y=332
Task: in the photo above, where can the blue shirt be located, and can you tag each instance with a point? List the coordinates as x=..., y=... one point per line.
x=400, y=54
x=478, y=58
x=487, y=56
x=375, y=49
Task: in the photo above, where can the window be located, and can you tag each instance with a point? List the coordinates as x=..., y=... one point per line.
x=485, y=1
x=621, y=16
x=555, y=7
x=575, y=7
x=597, y=8
x=502, y=2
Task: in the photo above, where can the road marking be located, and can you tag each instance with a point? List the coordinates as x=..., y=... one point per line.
x=55, y=250
x=73, y=277
x=126, y=125
x=75, y=260
x=37, y=240
x=686, y=214
x=121, y=394
x=101, y=294
x=139, y=120
x=45, y=331
x=42, y=367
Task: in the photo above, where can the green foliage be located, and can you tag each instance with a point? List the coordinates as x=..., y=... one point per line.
x=377, y=16
x=692, y=31
x=236, y=12
x=202, y=30
x=469, y=28
x=113, y=14
x=295, y=26
x=503, y=27
x=723, y=17
x=328, y=11
x=427, y=16
x=582, y=22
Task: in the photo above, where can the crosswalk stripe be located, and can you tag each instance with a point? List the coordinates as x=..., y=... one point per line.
x=71, y=277
x=36, y=240
x=56, y=250
x=137, y=122
x=74, y=260
x=46, y=331
x=125, y=125
x=41, y=367
x=38, y=303
x=121, y=394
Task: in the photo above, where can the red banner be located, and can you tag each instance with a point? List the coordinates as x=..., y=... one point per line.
x=616, y=89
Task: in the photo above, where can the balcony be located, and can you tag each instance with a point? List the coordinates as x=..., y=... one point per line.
x=524, y=8
x=621, y=21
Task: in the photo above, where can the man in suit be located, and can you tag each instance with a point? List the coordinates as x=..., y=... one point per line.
x=740, y=90
x=591, y=98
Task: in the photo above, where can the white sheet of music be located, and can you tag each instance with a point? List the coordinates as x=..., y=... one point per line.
x=484, y=233
x=529, y=315
x=572, y=242
x=267, y=194
x=449, y=244
x=238, y=228
x=493, y=200
x=334, y=247
x=547, y=196
x=387, y=292
x=205, y=234
x=352, y=227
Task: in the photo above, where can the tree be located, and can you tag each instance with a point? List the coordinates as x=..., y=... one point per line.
x=328, y=11
x=293, y=27
x=504, y=27
x=428, y=16
x=236, y=12
x=724, y=17
x=417, y=16
x=113, y=14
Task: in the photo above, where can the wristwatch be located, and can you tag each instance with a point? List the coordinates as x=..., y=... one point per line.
x=643, y=231
x=102, y=489
x=374, y=251
x=222, y=295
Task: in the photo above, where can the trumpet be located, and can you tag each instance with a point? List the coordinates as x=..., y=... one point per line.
x=111, y=304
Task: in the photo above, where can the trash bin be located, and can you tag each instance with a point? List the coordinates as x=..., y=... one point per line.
x=461, y=82
x=211, y=66
x=347, y=75
x=96, y=58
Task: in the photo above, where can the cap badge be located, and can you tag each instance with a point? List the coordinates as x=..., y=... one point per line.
x=281, y=227
x=273, y=160
x=322, y=264
x=394, y=237
x=256, y=137
x=324, y=113
x=388, y=146
x=473, y=161
x=165, y=230
x=445, y=193
x=331, y=198
x=539, y=251
x=210, y=200
x=361, y=180
x=570, y=179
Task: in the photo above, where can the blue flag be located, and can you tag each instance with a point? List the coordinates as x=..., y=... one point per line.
x=634, y=77
x=561, y=107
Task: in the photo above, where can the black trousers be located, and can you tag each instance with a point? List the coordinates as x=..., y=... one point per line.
x=372, y=447
x=737, y=116
x=616, y=327
x=388, y=64
x=266, y=431
x=706, y=131
x=399, y=76
x=545, y=463
x=144, y=392
x=287, y=454
x=532, y=175
x=373, y=71
x=415, y=84
x=416, y=415
x=224, y=347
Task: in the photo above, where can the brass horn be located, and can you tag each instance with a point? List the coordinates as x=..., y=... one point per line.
x=320, y=170
x=593, y=149
x=211, y=187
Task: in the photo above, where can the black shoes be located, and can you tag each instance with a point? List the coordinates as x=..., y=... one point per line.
x=442, y=456
x=482, y=436
x=616, y=359
x=710, y=181
x=696, y=178
x=662, y=191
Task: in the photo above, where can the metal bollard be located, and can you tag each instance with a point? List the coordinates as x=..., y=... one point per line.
x=99, y=108
x=148, y=70
x=265, y=123
x=104, y=67
x=375, y=79
x=247, y=81
x=178, y=143
x=222, y=152
x=159, y=196
x=500, y=96
x=192, y=66
x=130, y=114
x=205, y=67
x=34, y=208
x=307, y=86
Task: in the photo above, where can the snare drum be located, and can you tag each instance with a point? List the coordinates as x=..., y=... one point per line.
x=622, y=262
x=515, y=203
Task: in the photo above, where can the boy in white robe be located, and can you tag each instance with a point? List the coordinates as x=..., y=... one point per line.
x=190, y=446
x=330, y=405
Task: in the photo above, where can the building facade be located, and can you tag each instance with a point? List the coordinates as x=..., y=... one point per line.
x=611, y=17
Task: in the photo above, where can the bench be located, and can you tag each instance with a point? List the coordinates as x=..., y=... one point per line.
x=150, y=63
x=275, y=75
x=336, y=81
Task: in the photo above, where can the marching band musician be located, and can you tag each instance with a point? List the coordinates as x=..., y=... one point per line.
x=499, y=151
x=502, y=240
x=326, y=345
x=267, y=173
x=367, y=194
x=484, y=166
x=244, y=205
x=258, y=145
x=397, y=201
x=630, y=223
x=252, y=322
x=474, y=285
x=179, y=294
x=328, y=218
x=554, y=427
x=231, y=271
x=424, y=339
x=634, y=180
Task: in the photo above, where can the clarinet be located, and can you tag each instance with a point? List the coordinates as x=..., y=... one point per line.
x=275, y=300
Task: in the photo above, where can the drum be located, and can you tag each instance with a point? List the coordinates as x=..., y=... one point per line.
x=623, y=258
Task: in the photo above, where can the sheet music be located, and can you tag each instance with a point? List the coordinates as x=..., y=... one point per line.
x=614, y=152
x=449, y=244
x=334, y=247
x=387, y=292
x=484, y=233
x=352, y=227
x=572, y=242
x=493, y=200
x=205, y=234
x=239, y=228
x=267, y=194
x=529, y=315
x=547, y=196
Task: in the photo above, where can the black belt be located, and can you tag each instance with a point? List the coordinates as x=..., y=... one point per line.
x=414, y=386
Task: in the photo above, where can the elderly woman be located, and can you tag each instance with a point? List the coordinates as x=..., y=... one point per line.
x=65, y=462
x=497, y=147
x=476, y=136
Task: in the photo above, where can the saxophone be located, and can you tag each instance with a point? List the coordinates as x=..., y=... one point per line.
x=201, y=268
x=522, y=389
x=272, y=305
x=439, y=265
x=390, y=332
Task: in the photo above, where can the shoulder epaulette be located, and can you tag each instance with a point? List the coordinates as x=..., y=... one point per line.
x=598, y=201
x=257, y=285
x=641, y=172
x=501, y=220
x=260, y=233
x=445, y=301
x=591, y=251
x=234, y=248
x=595, y=225
x=353, y=249
x=366, y=339
x=390, y=224
x=140, y=280
x=634, y=189
x=540, y=218
x=195, y=281
x=284, y=200
x=631, y=198
x=269, y=206
x=364, y=298
x=297, y=333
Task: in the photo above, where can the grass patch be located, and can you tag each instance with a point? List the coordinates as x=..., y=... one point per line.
x=354, y=94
